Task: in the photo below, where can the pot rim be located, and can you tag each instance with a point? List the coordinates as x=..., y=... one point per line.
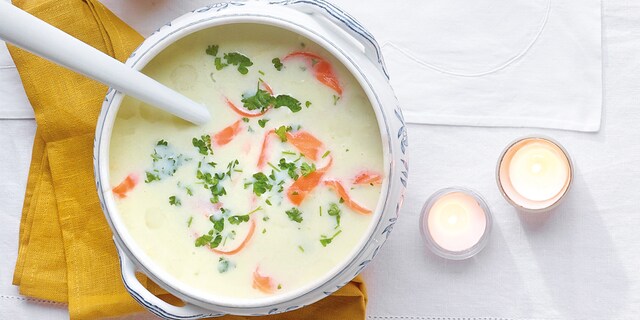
x=107, y=118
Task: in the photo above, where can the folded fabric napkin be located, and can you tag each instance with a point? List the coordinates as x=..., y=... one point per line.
x=522, y=63
x=66, y=253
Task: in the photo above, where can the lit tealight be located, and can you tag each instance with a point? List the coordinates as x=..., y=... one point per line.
x=455, y=223
x=534, y=174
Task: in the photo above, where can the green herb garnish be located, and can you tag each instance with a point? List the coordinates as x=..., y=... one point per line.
x=324, y=240
x=261, y=100
x=239, y=60
x=334, y=211
x=294, y=215
x=203, y=144
x=151, y=177
x=288, y=101
x=282, y=132
x=262, y=122
x=174, y=201
x=277, y=63
x=212, y=50
x=262, y=184
x=290, y=167
x=307, y=169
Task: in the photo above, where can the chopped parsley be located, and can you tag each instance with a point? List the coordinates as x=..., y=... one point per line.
x=324, y=240
x=174, y=201
x=231, y=167
x=301, y=249
x=236, y=220
x=307, y=104
x=151, y=177
x=210, y=240
x=307, y=169
x=212, y=50
x=239, y=60
x=335, y=99
x=277, y=63
x=281, y=132
x=262, y=184
x=219, y=64
x=203, y=144
x=262, y=122
x=294, y=215
x=288, y=101
x=261, y=100
x=290, y=167
x=326, y=154
x=334, y=211
x=245, y=119
x=218, y=225
x=162, y=143
x=189, y=222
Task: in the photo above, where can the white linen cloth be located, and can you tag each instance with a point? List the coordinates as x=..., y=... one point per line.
x=581, y=262
x=514, y=63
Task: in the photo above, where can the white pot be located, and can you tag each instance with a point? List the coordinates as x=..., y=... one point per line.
x=350, y=43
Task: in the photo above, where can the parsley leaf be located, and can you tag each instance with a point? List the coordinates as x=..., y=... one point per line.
x=307, y=104
x=261, y=100
x=288, y=101
x=174, y=201
x=277, y=63
x=219, y=64
x=282, y=132
x=203, y=144
x=212, y=50
x=151, y=177
x=236, y=220
x=239, y=60
x=307, y=169
x=294, y=215
x=290, y=167
x=218, y=225
x=262, y=184
x=262, y=122
x=162, y=143
x=324, y=240
x=334, y=211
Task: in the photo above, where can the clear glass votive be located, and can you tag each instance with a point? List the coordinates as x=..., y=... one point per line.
x=534, y=174
x=455, y=223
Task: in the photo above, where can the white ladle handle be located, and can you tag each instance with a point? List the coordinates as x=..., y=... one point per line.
x=42, y=39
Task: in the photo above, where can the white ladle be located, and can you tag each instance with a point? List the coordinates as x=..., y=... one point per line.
x=46, y=41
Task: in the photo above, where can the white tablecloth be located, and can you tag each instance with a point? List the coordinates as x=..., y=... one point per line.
x=581, y=262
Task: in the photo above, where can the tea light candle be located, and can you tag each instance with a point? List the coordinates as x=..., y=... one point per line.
x=534, y=174
x=455, y=223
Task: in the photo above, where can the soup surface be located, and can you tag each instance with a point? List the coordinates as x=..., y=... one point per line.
x=276, y=191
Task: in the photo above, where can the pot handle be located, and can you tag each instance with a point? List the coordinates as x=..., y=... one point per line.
x=346, y=23
x=153, y=303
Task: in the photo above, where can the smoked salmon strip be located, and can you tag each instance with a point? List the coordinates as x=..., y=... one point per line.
x=342, y=193
x=322, y=69
x=227, y=134
x=367, y=177
x=125, y=186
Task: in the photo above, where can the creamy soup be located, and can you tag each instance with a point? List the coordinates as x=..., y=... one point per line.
x=276, y=191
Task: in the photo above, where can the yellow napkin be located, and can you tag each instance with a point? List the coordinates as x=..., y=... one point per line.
x=65, y=249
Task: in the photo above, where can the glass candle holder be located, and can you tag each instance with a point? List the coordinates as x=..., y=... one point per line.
x=534, y=174
x=455, y=223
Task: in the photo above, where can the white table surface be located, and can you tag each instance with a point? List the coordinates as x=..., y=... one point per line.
x=581, y=262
